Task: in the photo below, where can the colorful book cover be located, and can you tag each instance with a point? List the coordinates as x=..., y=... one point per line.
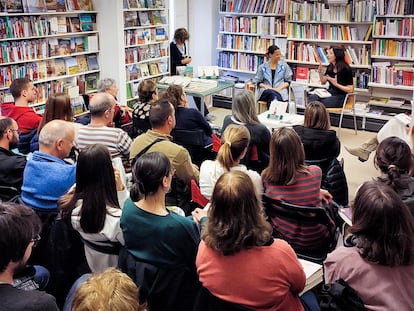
x=71, y=65
x=86, y=22
x=60, y=67
x=36, y=6
x=11, y=6
x=82, y=63
x=92, y=61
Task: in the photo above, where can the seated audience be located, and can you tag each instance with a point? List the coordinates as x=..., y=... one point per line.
x=394, y=160
x=190, y=119
x=109, y=290
x=47, y=176
x=379, y=263
x=101, y=107
x=244, y=113
x=11, y=164
x=238, y=260
x=94, y=207
x=234, y=144
x=147, y=94
x=19, y=230
x=322, y=147
x=162, y=118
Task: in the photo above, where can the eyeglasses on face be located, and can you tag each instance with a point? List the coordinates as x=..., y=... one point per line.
x=36, y=240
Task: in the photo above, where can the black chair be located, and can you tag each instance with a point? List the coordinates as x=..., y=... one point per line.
x=9, y=194
x=311, y=231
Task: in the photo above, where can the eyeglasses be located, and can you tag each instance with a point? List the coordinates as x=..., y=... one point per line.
x=36, y=240
x=18, y=131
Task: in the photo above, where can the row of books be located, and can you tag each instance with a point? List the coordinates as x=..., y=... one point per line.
x=324, y=32
x=354, y=11
x=144, y=18
x=34, y=50
x=395, y=7
x=30, y=6
x=144, y=53
x=394, y=27
x=142, y=4
x=263, y=25
x=253, y=6
x=397, y=74
x=245, y=43
x=240, y=61
x=306, y=52
x=145, y=36
x=40, y=26
x=49, y=69
x=146, y=70
x=389, y=47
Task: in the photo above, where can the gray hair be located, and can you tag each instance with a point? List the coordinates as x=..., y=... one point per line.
x=244, y=107
x=53, y=131
x=99, y=103
x=105, y=84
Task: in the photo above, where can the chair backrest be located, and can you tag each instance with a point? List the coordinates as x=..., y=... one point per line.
x=9, y=194
x=309, y=230
x=206, y=301
x=349, y=101
x=196, y=195
x=188, y=137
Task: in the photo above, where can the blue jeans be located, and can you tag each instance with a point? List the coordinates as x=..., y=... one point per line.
x=41, y=276
x=309, y=301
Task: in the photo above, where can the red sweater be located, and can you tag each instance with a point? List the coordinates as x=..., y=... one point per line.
x=26, y=118
x=266, y=278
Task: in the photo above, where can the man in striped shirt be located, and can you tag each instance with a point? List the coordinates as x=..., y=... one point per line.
x=99, y=131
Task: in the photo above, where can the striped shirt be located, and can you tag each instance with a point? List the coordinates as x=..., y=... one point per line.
x=117, y=140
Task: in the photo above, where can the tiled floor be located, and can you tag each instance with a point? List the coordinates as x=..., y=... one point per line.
x=356, y=171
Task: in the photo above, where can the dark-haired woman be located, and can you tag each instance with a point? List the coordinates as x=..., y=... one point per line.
x=94, y=206
x=393, y=158
x=152, y=233
x=340, y=78
x=238, y=261
x=273, y=77
x=379, y=265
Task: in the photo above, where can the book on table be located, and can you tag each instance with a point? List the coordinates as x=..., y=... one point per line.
x=313, y=272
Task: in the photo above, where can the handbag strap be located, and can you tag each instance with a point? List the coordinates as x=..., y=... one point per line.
x=143, y=151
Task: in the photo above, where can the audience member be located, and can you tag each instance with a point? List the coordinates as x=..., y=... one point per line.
x=11, y=164
x=238, y=260
x=379, y=264
x=162, y=118
x=234, y=144
x=101, y=107
x=47, y=176
x=94, y=207
x=244, y=113
x=395, y=161
x=19, y=229
x=147, y=94
x=109, y=290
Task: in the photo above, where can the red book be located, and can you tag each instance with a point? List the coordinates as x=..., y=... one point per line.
x=302, y=74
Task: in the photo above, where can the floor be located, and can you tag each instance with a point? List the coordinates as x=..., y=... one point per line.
x=355, y=171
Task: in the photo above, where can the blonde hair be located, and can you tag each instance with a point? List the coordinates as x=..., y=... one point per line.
x=244, y=107
x=234, y=141
x=109, y=290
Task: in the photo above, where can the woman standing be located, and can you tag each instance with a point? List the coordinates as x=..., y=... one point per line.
x=273, y=77
x=340, y=78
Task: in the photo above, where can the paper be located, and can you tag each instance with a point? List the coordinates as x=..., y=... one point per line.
x=313, y=272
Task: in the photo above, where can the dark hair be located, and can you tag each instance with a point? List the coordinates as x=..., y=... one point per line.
x=383, y=226
x=18, y=86
x=95, y=185
x=236, y=219
x=145, y=90
x=57, y=107
x=234, y=141
x=287, y=158
x=271, y=49
x=18, y=226
x=316, y=116
x=393, y=158
x=173, y=95
x=181, y=34
x=159, y=112
x=339, y=53
x=148, y=173
x=5, y=124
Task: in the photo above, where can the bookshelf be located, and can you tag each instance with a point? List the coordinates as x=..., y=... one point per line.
x=57, y=48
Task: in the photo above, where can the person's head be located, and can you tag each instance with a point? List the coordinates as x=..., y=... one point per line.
x=23, y=88
x=57, y=107
x=20, y=227
x=181, y=35
x=336, y=55
x=108, y=85
x=274, y=53
x=287, y=157
x=383, y=225
x=176, y=96
x=316, y=116
x=147, y=91
x=244, y=107
x=162, y=115
x=393, y=158
x=151, y=173
x=101, y=107
x=236, y=219
x=57, y=138
x=9, y=133
x=234, y=142
x=108, y=290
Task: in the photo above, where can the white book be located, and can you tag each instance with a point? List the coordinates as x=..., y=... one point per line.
x=322, y=93
x=313, y=272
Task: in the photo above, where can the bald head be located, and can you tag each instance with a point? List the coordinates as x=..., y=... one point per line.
x=100, y=103
x=57, y=138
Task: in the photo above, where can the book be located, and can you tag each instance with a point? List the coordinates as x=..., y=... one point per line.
x=153, y=69
x=313, y=272
x=378, y=100
x=144, y=19
x=74, y=23
x=42, y=70
x=86, y=22
x=144, y=70
x=51, y=68
x=53, y=47
x=62, y=24
x=133, y=4
x=82, y=63
x=92, y=81
x=368, y=33
x=160, y=34
x=71, y=65
x=322, y=93
x=302, y=74
x=85, y=5
x=64, y=46
x=11, y=6
x=346, y=214
x=92, y=61
x=60, y=68
x=36, y=6
x=91, y=43
x=155, y=17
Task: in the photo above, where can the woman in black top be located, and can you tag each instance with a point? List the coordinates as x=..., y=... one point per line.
x=340, y=78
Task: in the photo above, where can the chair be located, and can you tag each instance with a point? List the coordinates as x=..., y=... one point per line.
x=206, y=301
x=196, y=195
x=348, y=106
x=9, y=194
x=310, y=230
x=262, y=105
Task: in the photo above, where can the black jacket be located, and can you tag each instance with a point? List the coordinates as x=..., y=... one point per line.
x=11, y=168
x=175, y=57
